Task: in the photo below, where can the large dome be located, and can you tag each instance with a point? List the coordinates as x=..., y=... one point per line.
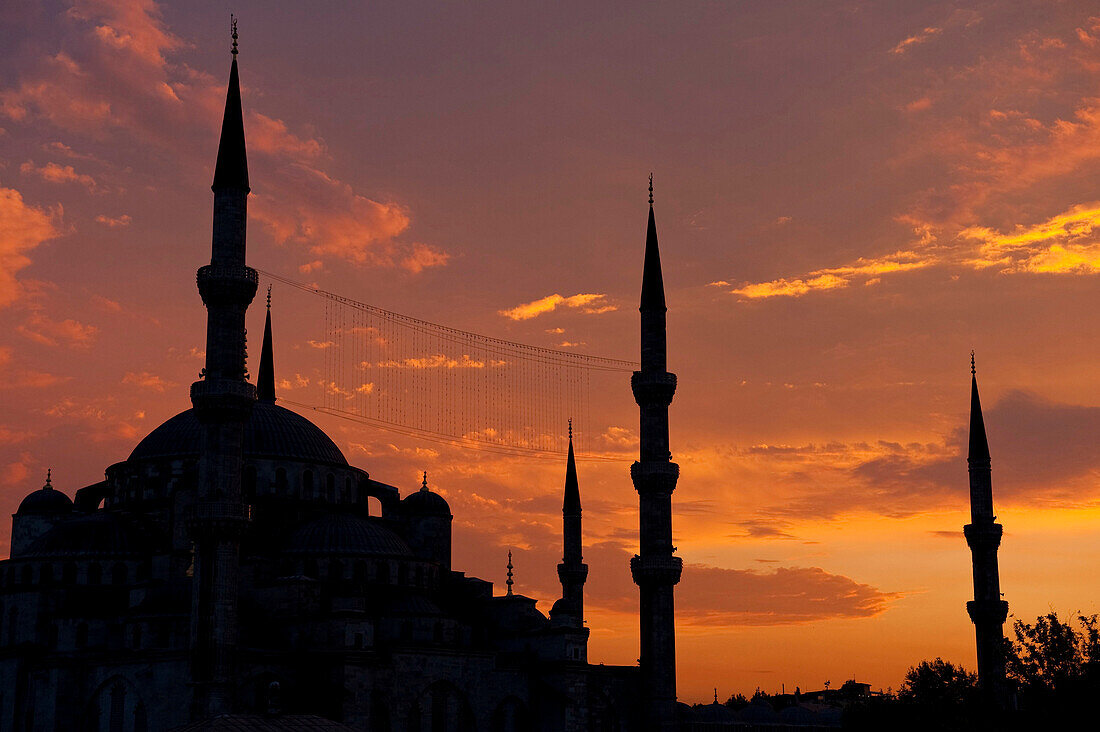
x=271, y=432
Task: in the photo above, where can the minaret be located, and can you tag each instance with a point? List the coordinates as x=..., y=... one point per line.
x=572, y=571
x=983, y=534
x=655, y=570
x=265, y=375
x=223, y=401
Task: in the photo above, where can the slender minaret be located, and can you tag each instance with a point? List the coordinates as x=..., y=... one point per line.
x=655, y=570
x=983, y=534
x=223, y=401
x=265, y=375
x=572, y=571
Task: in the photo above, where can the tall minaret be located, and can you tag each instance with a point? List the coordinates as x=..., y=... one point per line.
x=572, y=571
x=983, y=535
x=265, y=375
x=223, y=401
x=655, y=570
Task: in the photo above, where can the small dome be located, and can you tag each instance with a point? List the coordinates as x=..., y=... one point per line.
x=344, y=535
x=45, y=502
x=271, y=432
x=426, y=503
x=715, y=714
x=97, y=534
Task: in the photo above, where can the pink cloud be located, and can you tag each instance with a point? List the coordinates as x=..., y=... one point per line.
x=22, y=228
x=54, y=173
x=46, y=331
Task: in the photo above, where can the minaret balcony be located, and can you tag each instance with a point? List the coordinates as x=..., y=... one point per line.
x=654, y=477
x=983, y=536
x=226, y=400
x=653, y=387
x=987, y=611
x=656, y=570
x=572, y=573
x=222, y=284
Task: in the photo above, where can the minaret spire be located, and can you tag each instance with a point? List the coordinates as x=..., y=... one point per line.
x=223, y=401
x=655, y=569
x=509, y=581
x=265, y=377
x=983, y=534
x=572, y=571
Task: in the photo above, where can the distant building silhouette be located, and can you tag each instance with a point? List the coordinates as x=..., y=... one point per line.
x=230, y=575
x=983, y=534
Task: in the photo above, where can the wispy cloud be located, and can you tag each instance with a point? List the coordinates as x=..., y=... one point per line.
x=54, y=173
x=22, y=228
x=916, y=39
x=147, y=380
x=1068, y=243
x=833, y=278
x=587, y=303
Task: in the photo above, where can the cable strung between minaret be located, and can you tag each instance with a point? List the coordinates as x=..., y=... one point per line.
x=987, y=610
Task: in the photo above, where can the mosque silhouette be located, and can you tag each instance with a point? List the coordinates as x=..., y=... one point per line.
x=229, y=574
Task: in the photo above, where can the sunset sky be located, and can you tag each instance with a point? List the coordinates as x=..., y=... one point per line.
x=850, y=196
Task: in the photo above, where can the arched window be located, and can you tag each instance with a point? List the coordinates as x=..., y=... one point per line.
x=383, y=572
x=345, y=496
x=95, y=574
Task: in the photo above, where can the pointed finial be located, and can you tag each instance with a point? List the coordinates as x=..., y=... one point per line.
x=424, y=484
x=509, y=582
x=49, y=471
x=651, y=190
x=570, y=429
x=233, y=29
x=716, y=695
x=973, y=371
x=269, y=297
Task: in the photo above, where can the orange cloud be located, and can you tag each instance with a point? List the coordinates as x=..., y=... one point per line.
x=423, y=256
x=54, y=173
x=916, y=40
x=271, y=136
x=22, y=228
x=437, y=361
x=834, y=277
x=1064, y=244
x=328, y=218
x=42, y=329
x=147, y=380
x=589, y=303
x=114, y=223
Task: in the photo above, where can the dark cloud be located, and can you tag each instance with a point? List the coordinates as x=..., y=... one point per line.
x=706, y=595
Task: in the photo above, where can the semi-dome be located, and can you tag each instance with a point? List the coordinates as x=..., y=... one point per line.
x=344, y=535
x=45, y=502
x=97, y=534
x=271, y=432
